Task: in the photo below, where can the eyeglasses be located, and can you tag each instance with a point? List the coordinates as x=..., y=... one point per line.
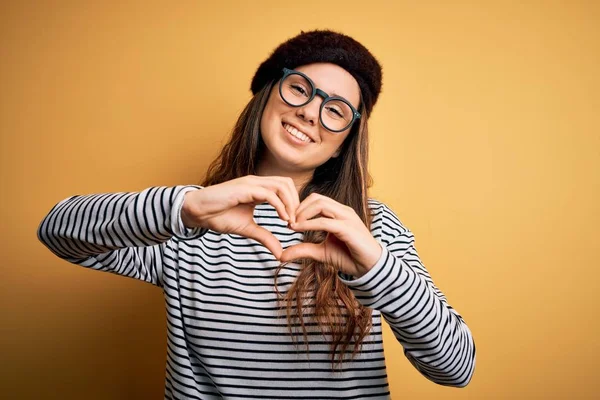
x=336, y=113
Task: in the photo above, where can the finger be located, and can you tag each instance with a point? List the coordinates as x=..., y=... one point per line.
x=320, y=205
x=283, y=189
x=265, y=237
x=334, y=226
x=287, y=189
x=295, y=197
x=259, y=194
x=304, y=250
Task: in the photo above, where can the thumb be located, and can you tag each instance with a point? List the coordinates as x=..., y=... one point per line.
x=304, y=250
x=265, y=237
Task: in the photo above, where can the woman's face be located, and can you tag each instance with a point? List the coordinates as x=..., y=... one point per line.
x=286, y=153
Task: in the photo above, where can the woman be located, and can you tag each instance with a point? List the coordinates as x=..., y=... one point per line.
x=278, y=268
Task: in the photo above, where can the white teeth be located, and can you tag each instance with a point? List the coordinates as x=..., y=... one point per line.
x=297, y=133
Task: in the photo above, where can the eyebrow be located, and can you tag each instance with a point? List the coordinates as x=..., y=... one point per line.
x=347, y=99
x=331, y=94
x=326, y=91
x=334, y=94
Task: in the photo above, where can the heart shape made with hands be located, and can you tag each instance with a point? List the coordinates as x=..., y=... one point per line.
x=349, y=246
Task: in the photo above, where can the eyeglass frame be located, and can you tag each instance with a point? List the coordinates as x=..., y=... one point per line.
x=316, y=91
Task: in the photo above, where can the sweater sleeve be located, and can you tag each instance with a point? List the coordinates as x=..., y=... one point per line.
x=125, y=233
x=435, y=338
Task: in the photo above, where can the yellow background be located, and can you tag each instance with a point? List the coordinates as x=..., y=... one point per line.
x=485, y=142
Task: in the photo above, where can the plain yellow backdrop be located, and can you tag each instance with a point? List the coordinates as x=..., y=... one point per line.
x=485, y=141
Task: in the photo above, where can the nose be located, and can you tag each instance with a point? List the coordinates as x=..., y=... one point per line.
x=310, y=112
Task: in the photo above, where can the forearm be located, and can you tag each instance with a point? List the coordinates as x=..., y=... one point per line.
x=435, y=338
x=84, y=225
x=186, y=212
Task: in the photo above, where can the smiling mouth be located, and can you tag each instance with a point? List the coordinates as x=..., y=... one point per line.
x=296, y=133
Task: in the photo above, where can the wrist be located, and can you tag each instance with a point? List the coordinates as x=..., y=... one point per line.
x=372, y=261
x=186, y=211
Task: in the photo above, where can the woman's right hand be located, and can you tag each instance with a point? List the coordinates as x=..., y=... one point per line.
x=228, y=207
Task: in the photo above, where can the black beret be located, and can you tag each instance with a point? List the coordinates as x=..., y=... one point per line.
x=324, y=46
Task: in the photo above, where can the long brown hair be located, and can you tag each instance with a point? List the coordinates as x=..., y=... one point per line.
x=345, y=179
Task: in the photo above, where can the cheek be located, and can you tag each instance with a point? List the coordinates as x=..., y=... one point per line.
x=264, y=120
x=271, y=114
x=268, y=123
x=267, y=117
x=333, y=140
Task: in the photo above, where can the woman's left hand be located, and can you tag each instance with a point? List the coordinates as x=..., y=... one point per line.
x=349, y=245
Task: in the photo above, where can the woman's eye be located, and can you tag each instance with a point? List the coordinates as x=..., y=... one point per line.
x=335, y=111
x=299, y=89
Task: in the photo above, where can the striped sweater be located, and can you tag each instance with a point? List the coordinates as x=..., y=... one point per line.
x=226, y=336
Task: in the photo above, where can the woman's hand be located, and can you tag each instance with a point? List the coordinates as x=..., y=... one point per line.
x=228, y=207
x=349, y=245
